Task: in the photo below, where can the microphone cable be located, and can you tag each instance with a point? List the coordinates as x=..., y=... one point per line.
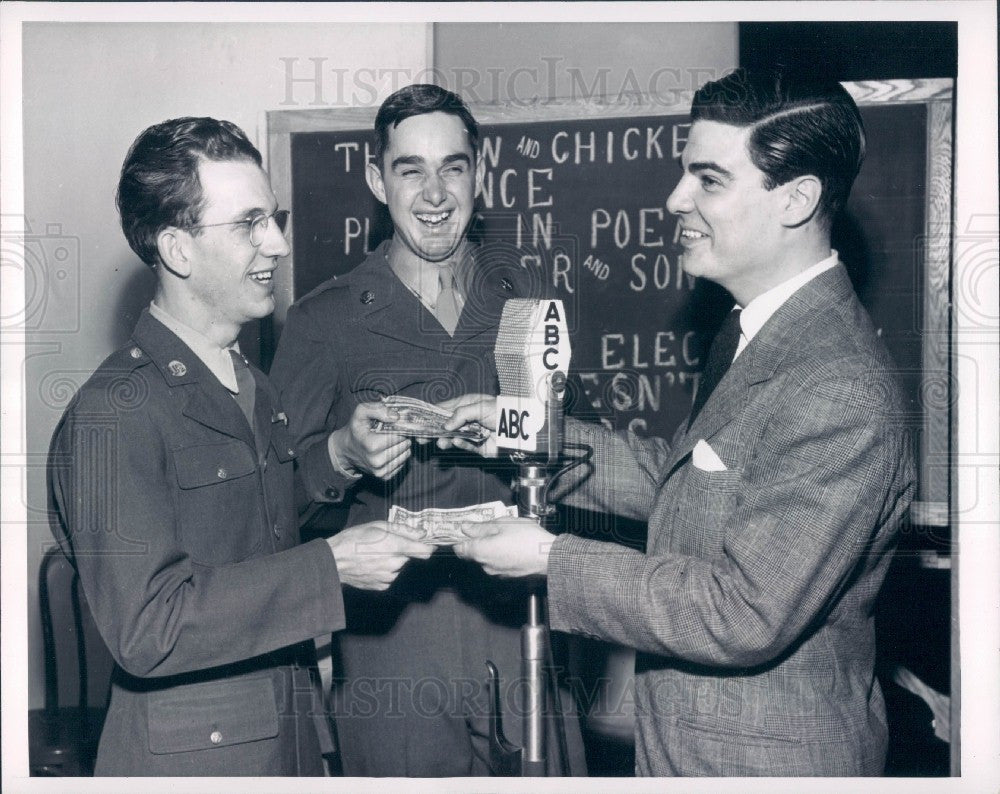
x=578, y=460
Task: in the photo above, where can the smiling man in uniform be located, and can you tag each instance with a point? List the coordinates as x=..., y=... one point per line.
x=171, y=475
x=773, y=512
x=417, y=318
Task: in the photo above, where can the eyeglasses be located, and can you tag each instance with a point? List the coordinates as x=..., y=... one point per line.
x=258, y=225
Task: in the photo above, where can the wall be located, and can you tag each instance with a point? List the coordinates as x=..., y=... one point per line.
x=89, y=89
x=527, y=62
x=854, y=50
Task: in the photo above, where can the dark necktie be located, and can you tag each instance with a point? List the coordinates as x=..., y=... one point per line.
x=720, y=356
x=247, y=395
x=446, y=308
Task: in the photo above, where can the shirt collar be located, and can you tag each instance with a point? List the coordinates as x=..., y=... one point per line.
x=760, y=309
x=216, y=358
x=421, y=277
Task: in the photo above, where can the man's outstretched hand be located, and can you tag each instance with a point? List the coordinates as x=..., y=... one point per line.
x=370, y=556
x=509, y=547
x=359, y=448
x=481, y=408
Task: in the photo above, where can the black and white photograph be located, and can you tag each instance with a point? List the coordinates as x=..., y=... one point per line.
x=427, y=394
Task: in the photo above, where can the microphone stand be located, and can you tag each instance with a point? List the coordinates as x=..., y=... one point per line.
x=531, y=486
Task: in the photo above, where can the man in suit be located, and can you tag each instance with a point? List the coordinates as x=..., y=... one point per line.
x=417, y=318
x=171, y=474
x=773, y=511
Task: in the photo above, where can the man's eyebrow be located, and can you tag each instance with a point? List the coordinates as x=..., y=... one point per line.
x=414, y=159
x=253, y=212
x=409, y=159
x=709, y=165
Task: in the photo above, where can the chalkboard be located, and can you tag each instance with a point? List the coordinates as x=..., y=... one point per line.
x=578, y=190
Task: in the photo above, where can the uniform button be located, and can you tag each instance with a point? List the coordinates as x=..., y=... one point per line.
x=291, y=452
x=333, y=493
x=222, y=474
x=277, y=531
x=177, y=368
x=215, y=737
x=135, y=352
x=367, y=297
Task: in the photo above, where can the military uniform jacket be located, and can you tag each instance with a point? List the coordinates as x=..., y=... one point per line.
x=363, y=336
x=752, y=606
x=182, y=527
x=358, y=338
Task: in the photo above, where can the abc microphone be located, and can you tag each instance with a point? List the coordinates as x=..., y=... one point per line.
x=532, y=355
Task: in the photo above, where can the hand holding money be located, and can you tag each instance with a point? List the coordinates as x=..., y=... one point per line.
x=418, y=419
x=509, y=547
x=370, y=556
x=444, y=527
x=356, y=448
x=480, y=409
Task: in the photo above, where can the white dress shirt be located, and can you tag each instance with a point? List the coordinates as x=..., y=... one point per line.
x=760, y=309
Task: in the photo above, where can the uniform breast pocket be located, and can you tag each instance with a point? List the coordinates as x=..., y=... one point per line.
x=705, y=510
x=218, y=501
x=372, y=377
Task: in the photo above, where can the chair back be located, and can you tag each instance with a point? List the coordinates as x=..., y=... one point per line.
x=55, y=556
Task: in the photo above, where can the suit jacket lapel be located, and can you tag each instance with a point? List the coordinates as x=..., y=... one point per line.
x=761, y=359
x=263, y=415
x=494, y=278
x=207, y=401
x=391, y=310
x=212, y=406
x=388, y=308
x=483, y=305
x=725, y=404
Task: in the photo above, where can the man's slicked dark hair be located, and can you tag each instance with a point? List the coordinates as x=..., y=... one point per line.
x=159, y=184
x=416, y=100
x=798, y=126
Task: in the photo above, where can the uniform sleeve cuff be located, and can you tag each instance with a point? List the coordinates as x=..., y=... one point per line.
x=339, y=467
x=331, y=600
x=323, y=482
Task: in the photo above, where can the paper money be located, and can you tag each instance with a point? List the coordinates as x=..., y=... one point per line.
x=443, y=527
x=419, y=418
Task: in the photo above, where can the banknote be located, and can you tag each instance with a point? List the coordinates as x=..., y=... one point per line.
x=443, y=526
x=419, y=418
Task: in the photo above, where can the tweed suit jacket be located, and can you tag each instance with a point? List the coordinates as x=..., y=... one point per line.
x=751, y=609
x=181, y=523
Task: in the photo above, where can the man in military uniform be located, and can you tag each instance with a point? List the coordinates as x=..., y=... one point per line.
x=418, y=318
x=171, y=474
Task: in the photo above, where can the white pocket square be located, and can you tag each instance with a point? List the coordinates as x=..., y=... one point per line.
x=703, y=457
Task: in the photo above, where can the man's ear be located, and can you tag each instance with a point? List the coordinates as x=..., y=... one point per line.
x=172, y=246
x=373, y=176
x=480, y=172
x=802, y=196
